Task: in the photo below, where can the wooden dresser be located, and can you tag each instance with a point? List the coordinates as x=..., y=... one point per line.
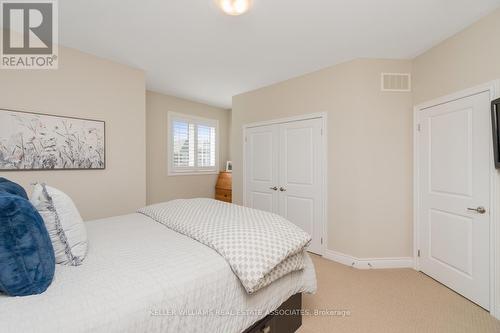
x=224, y=187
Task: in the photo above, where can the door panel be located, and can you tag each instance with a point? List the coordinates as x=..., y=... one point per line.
x=301, y=156
x=450, y=146
x=262, y=201
x=454, y=157
x=451, y=241
x=300, y=211
x=262, y=157
x=262, y=168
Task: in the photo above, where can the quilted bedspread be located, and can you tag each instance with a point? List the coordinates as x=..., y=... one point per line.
x=260, y=247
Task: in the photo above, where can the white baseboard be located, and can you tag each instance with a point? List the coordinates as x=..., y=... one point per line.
x=368, y=263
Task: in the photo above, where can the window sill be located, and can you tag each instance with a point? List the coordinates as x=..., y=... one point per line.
x=193, y=173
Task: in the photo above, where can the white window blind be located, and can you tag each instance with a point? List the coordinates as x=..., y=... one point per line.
x=193, y=146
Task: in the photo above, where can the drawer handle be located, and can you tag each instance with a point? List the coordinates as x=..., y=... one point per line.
x=266, y=329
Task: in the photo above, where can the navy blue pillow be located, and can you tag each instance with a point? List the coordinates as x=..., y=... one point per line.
x=12, y=188
x=27, y=260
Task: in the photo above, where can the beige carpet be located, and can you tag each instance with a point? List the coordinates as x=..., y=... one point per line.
x=396, y=300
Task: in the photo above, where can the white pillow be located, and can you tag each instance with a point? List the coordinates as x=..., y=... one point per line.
x=63, y=221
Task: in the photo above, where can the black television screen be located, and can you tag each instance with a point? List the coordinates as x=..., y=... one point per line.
x=495, y=120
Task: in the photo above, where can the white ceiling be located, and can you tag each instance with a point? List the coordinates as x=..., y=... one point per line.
x=188, y=48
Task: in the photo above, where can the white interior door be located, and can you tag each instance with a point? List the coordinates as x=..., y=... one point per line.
x=262, y=163
x=300, y=177
x=284, y=175
x=454, y=195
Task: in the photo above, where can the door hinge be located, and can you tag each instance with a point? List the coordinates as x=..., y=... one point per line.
x=419, y=127
x=321, y=240
x=418, y=253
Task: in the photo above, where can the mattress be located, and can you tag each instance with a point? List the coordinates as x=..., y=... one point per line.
x=140, y=276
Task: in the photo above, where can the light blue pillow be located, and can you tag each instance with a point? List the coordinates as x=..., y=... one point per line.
x=27, y=262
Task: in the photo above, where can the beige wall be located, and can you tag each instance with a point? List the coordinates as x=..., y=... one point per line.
x=160, y=186
x=369, y=151
x=470, y=58
x=89, y=87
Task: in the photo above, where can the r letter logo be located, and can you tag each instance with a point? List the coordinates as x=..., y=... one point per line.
x=29, y=39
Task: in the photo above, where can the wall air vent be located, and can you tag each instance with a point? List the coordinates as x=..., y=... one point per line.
x=396, y=82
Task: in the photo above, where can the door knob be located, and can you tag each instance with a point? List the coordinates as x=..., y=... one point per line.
x=274, y=188
x=282, y=189
x=480, y=210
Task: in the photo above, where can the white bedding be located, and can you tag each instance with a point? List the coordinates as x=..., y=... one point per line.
x=137, y=275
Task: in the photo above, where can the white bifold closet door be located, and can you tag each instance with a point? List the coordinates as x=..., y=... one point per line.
x=283, y=173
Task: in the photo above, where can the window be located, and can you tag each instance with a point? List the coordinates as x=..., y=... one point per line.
x=193, y=144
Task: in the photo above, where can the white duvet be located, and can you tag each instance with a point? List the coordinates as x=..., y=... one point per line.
x=139, y=276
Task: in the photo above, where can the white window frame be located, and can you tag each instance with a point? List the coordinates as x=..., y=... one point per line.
x=185, y=171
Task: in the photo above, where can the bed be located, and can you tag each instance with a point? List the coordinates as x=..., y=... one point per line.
x=140, y=276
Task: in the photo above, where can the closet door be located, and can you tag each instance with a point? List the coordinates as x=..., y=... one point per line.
x=301, y=177
x=262, y=154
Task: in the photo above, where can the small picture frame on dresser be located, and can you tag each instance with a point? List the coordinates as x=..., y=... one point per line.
x=229, y=166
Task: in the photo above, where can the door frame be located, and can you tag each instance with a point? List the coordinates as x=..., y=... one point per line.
x=324, y=118
x=493, y=88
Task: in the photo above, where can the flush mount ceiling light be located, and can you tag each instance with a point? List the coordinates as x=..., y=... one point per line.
x=234, y=7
